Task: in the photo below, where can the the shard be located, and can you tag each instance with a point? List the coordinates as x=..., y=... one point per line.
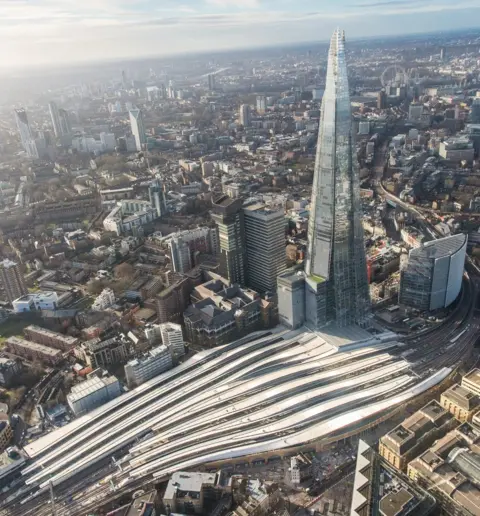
x=336, y=274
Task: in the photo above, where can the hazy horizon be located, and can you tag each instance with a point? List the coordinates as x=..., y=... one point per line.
x=51, y=32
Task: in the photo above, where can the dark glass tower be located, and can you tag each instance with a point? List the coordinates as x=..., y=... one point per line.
x=336, y=274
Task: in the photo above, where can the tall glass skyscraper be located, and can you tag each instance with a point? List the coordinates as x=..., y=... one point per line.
x=336, y=287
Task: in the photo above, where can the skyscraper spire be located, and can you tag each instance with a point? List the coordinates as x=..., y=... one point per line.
x=333, y=288
x=337, y=286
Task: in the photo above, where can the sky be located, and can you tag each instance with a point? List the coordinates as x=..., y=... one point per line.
x=49, y=32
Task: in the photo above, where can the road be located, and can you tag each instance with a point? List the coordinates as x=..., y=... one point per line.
x=435, y=349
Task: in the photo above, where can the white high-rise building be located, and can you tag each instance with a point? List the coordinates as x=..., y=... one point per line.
x=138, y=128
x=261, y=104
x=172, y=337
x=245, y=115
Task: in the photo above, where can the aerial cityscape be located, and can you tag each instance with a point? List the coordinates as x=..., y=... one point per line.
x=241, y=281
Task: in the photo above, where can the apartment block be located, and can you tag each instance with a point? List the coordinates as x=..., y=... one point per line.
x=32, y=350
x=50, y=338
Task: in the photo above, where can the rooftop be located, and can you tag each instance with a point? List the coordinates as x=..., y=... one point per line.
x=393, y=504
x=188, y=482
x=88, y=387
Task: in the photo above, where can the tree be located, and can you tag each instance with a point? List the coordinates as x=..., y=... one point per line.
x=124, y=270
x=95, y=286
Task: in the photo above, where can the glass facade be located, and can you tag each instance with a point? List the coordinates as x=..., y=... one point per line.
x=336, y=264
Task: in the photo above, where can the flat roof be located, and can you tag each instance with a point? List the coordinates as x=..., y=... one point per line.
x=393, y=504
x=473, y=376
x=188, y=481
x=84, y=389
x=40, y=348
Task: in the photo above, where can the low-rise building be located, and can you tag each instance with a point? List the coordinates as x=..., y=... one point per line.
x=129, y=214
x=104, y=300
x=460, y=402
x=154, y=362
x=471, y=381
x=32, y=350
x=301, y=469
x=457, y=149
x=450, y=470
x=415, y=434
x=187, y=492
x=6, y=435
x=36, y=301
x=92, y=393
x=50, y=338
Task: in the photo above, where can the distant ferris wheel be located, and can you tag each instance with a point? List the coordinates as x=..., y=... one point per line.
x=394, y=74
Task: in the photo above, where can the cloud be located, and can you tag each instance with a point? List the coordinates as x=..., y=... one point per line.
x=69, y=30
x=237, y=4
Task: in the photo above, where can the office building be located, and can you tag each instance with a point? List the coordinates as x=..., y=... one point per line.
x=460, y=402
x=172, y=337
x=291, y=298
x=457, y=149
x=245, y=115
x=187, y=492
x=415, y=112
x=265, y=246
x=336, y=284
x=224, y=313
x=92, y=393
x=415, y=434
x=475, y=111
x=108, y=141
x=65, y=125
x=13, y=281
x=261, y=104
x=431, y=277
x=211, y=82
x=138, y=128
x=227, y=213
x=157, y=197
x=382, y=100
x=50, y=338
x=33, y=351
x=23, y=126
x=9, y=369
x=154, y=362
x=55, y=116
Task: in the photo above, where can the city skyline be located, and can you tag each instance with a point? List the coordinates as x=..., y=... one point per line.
x=65, y=31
